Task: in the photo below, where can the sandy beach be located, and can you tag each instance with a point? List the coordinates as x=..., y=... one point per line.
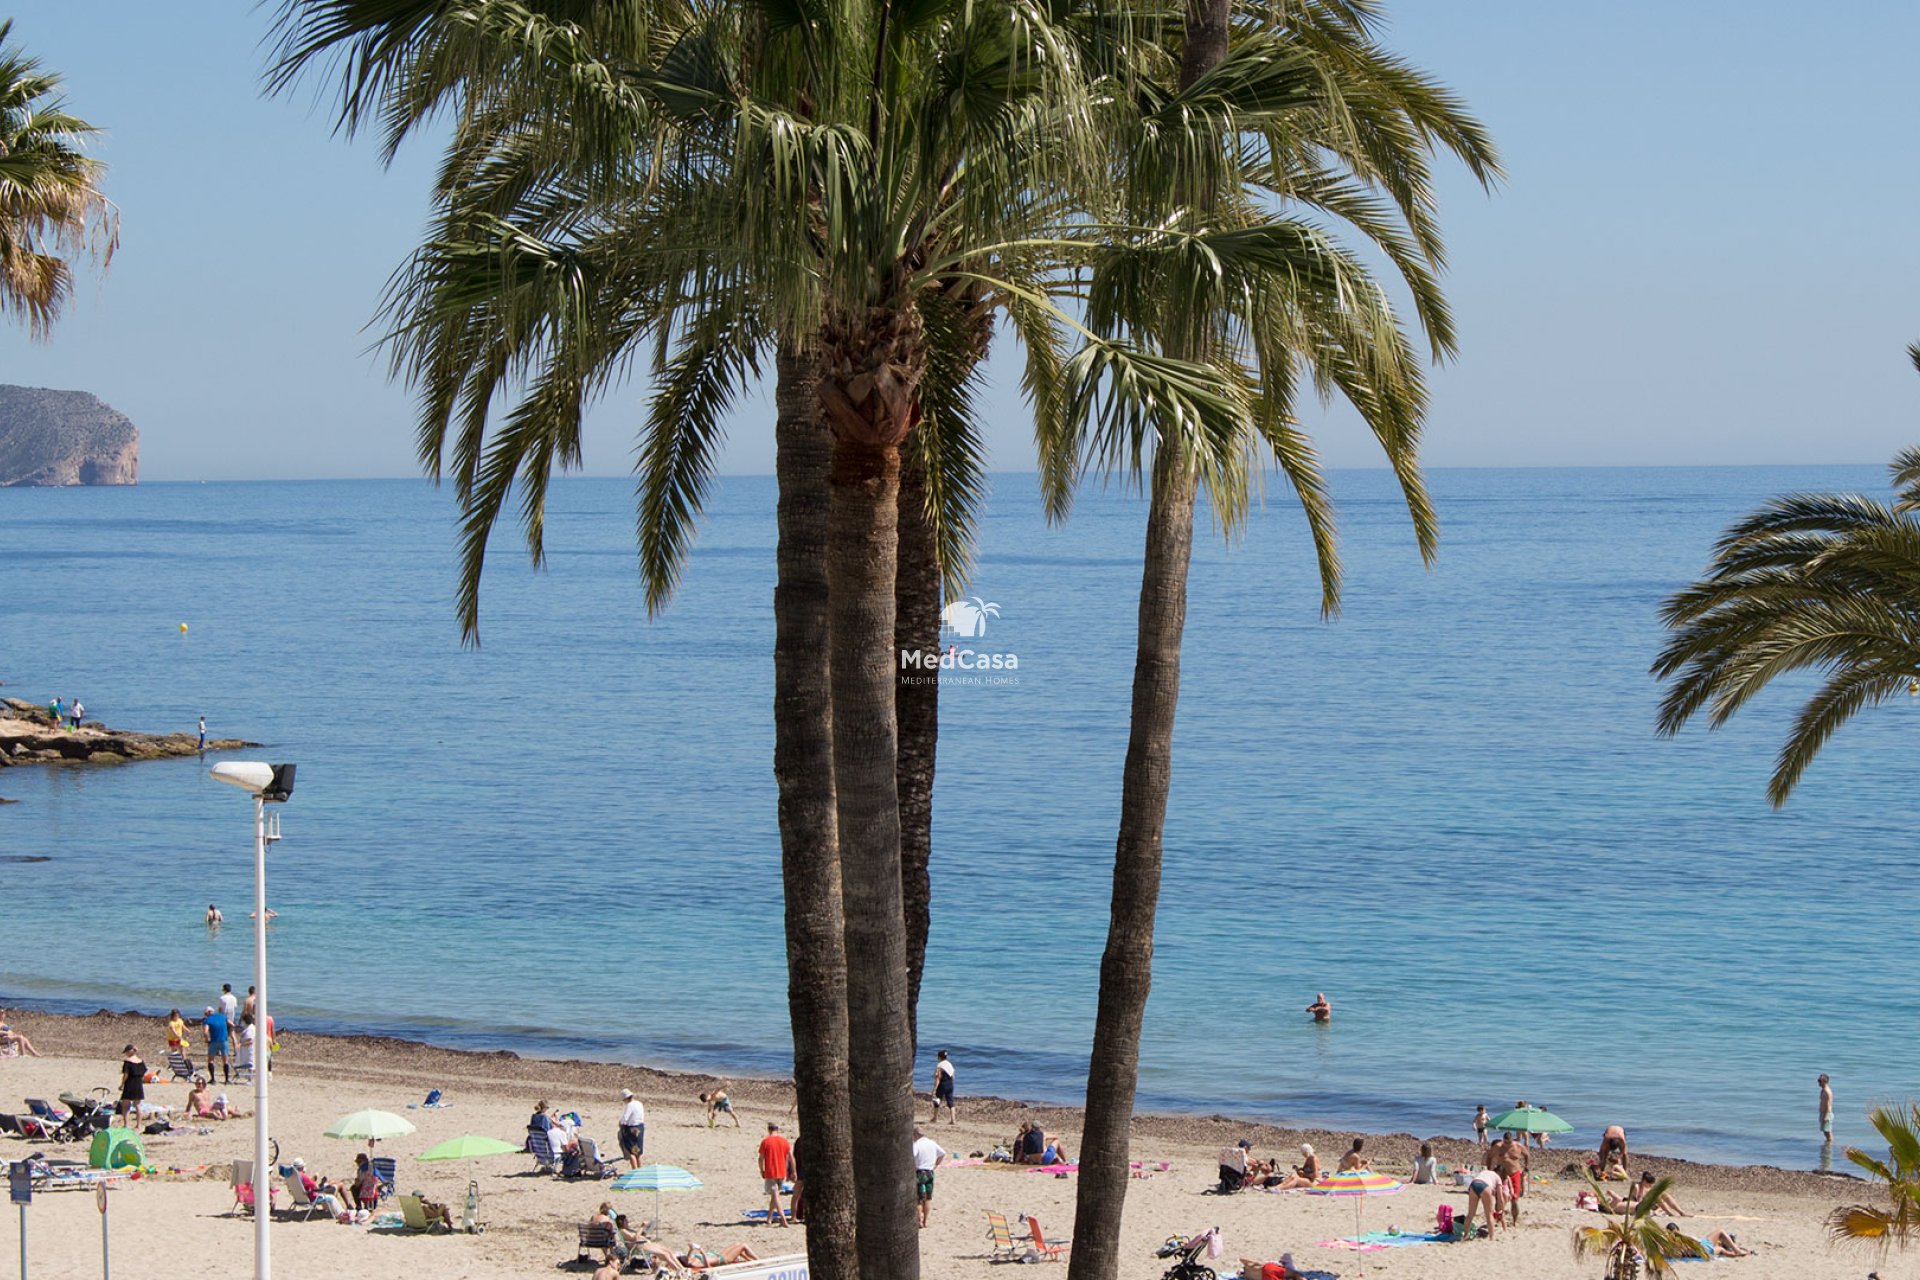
x=178, y=1222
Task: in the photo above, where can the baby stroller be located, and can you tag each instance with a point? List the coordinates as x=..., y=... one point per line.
x=1187, y=1252
x=86, y=1116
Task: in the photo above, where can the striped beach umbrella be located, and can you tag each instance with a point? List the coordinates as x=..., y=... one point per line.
x=657, y=1178
x=1357, y=1184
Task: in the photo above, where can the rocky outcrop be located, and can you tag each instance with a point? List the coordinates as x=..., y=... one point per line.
x=52, y=437
x=28, y=735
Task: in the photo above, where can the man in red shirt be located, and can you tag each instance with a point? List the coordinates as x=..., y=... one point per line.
x=776, y=1157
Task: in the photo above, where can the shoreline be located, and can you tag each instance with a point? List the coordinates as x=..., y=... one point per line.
x=358, y=1057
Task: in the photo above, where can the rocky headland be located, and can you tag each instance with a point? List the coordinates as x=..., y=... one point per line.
x=29, y=735
x=50, y=437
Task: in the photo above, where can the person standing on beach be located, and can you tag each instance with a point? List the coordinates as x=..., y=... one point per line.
x=928, y=1155
x=133, y=1088
x=633, y=1128
x=943, y=1090
x=203, y=733
x=219, y=1034
x=1826, y=1110
x=79, y=712
x=176, y=1032
x=1509, y=1159
x=775, y=1155
x=1480, y=1118
x=229, y=1003
x=246, y=1006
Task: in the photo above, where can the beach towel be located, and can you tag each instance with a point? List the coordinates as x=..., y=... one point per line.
x=1404, y=1240
x=1352, y=1246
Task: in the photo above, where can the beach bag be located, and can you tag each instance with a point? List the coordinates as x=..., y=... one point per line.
x=1443, y=1220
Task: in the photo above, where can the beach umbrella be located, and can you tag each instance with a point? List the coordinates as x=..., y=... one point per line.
x=657, y=1178
x=469, y=1145
x=1529, y=1120
x=1357, y=1184
x=369, y=1126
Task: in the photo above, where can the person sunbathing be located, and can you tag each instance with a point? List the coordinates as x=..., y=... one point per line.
x=1666, y=1203
x=14, y=1043
x=1353, y=1159
x=1304, y=1174
x=699, y=1259
x=202, y=1106
x=1281, y=1270
x=1056, y=1153
x=1720, y=1244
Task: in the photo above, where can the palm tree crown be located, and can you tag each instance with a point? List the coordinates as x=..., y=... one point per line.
x=1828, y=582
x=51, y=209
x=1898, y=1222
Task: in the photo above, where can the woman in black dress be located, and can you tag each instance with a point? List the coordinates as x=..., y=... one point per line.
x=133, y=1089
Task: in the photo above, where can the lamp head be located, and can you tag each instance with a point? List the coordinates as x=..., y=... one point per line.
x=268, y=781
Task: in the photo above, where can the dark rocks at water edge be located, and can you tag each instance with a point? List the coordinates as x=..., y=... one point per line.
x=50, y=437
x=28, y=735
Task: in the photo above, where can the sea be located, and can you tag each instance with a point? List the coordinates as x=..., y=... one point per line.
x=1446, y=807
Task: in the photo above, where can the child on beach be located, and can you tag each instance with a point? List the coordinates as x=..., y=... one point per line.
x=718, y=1104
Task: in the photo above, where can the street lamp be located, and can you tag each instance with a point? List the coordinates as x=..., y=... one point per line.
x=267, y=783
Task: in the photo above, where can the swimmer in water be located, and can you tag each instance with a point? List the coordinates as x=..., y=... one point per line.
x=1320, y=1009
x=214, y=918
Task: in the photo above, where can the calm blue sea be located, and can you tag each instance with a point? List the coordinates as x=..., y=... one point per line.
x=1447, y=809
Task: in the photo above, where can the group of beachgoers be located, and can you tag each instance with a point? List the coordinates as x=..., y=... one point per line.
x=633, y=1246
x=66, y=714
x=230, y=1035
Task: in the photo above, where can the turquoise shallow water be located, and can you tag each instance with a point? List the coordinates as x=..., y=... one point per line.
x=1447, y=809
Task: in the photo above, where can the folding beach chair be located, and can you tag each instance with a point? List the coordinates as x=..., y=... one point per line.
x=416, y=1217
x=1051, y=1252
x=596, y=1235
x=301, y=1202
x=591, y=1163
x=180, y=1064
x=544, y=1161
x=44, y=1110
x=1001, y=1234
x=387, y=1170
x=242, y=1180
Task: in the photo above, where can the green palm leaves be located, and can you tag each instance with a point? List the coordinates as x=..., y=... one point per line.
x=51, y=209
x=1828, y=582
x=1898, y=1222
x=1635, y=1235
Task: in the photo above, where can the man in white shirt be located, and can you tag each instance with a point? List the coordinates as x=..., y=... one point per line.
x=927, y=1156
x=633, y=1129
x=943, y=1090
x=229, y=1004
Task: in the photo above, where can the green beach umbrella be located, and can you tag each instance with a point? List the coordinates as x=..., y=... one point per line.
x=1529, y=1120
x=469, y=1145
x=369, y=1126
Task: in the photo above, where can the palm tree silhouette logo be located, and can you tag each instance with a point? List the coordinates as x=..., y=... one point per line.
x=967, y=619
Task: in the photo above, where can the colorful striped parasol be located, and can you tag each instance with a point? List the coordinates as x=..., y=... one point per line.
x=1357, y=1183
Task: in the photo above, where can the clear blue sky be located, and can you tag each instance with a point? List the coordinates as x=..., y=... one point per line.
x=1705, y=253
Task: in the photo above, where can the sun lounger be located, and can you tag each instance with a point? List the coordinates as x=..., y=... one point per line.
x=242, y=1180
x=180, y=1064
x=415, y=1216
x=44, y=1110
x=791, y=1266
x=387, y=1170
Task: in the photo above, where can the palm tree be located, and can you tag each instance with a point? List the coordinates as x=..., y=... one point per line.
x=1898, y=1223
x=1296, y=108
x=51, y=209
x=1635, y=1237
x=625, y=179
x=1823, y=581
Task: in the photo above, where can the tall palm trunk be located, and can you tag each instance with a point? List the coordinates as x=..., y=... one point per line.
x=809, y=829
x=869, y=392
x=1126, y=967
x=916, y=703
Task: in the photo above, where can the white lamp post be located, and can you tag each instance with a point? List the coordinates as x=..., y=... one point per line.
x=266, y=783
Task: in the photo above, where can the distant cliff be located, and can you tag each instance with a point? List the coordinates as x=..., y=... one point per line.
x=64, y=437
